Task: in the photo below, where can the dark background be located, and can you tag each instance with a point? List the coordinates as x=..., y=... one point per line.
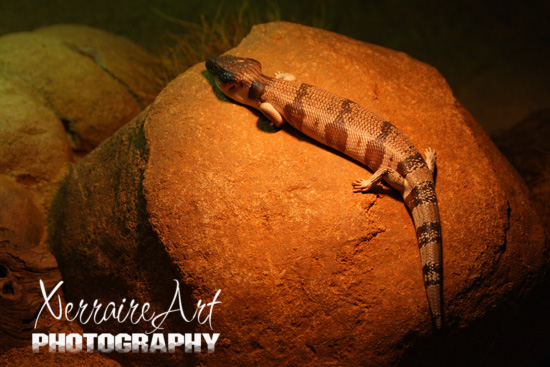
x=494, y=54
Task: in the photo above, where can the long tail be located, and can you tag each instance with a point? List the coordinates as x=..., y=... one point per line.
x=422, y=203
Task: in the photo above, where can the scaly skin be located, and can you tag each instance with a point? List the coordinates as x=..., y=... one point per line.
x=356, y=132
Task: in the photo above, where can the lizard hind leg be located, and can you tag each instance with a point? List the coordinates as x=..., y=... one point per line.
x=392, y=177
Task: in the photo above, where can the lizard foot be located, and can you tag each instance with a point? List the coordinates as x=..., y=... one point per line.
x=362, y=185
x=431, y=157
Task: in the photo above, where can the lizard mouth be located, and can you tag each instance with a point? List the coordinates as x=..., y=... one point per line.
x=218, y=83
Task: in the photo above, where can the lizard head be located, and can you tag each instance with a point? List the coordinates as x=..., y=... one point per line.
x=235, y=76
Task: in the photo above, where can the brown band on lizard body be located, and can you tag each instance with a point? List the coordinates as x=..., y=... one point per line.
x=256, y=91
x=431, y=273
x=336, y=133
x=422, y=193
x=411, y=164
x=296, y=108
x=428, y=232
x=388, y=132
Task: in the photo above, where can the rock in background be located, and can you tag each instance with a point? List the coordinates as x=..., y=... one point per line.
x=527, y=147
x=201, y=189
x=23, y=262
x=63, y=90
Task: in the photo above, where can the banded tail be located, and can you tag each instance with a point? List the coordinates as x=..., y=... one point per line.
x=422, y=203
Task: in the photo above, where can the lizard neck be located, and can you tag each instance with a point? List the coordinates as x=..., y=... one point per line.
x=257, y=85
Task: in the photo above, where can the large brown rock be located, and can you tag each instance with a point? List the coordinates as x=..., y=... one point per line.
x=203, y=190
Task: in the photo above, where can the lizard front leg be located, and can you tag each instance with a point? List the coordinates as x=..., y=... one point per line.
x=267, y=108
x=272, y=114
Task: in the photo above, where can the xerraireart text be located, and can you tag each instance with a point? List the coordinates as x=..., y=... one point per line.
x=133, y=312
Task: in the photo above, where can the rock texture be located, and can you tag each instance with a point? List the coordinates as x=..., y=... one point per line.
x=23, y=262
x=201, y=189
x=14, y=358
x=34, y=147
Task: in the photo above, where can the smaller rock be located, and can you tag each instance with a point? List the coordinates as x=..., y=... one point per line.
x=23, y=262
x=93, y=81
x=527, y=147
x=34, y=148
